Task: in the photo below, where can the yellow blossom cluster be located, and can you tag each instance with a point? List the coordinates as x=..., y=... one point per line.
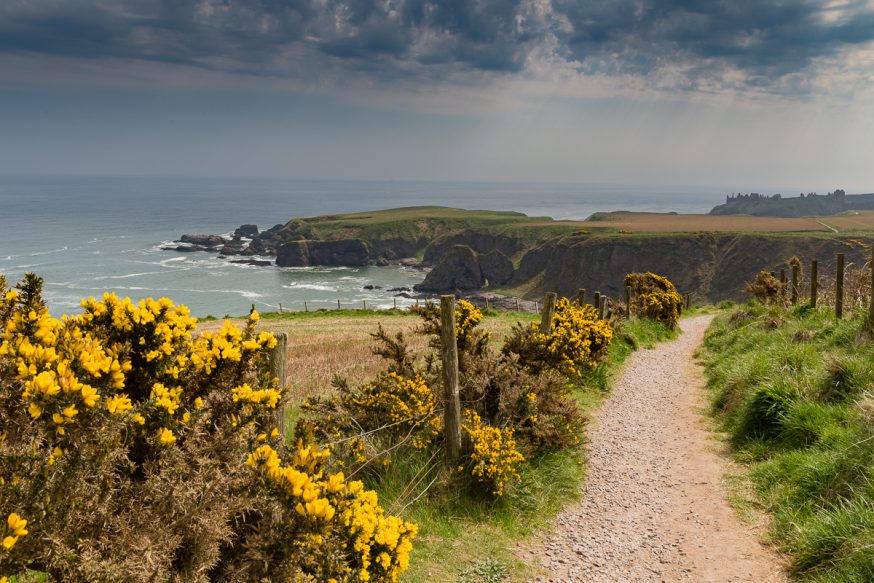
x=577, y=339
x=379, y=545
x=229, y=344
x=467, y=317
x=267, y=397
x=407, y=401
x=655, y=297
x=15, y=529
x=494, y=458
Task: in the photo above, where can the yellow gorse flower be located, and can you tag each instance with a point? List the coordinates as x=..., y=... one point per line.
x=494, y=458
x=15, y=529
x=577, y=340
x=381, y=544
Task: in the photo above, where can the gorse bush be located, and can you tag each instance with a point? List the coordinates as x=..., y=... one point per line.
x=576, y=343
x=766, y=288
x=493, y=458
x=131, y=450
x=654, y=297
x=516, y=403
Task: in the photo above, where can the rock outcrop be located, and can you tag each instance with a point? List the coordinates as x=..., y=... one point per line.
x=458, y=269
x=246, y=231
x=203, y=240
x=496, y=268
x=345, y=252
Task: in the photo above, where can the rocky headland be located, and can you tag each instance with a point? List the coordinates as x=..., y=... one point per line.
x=511, y=253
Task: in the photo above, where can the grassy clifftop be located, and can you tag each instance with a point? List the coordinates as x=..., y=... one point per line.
x=408, y=223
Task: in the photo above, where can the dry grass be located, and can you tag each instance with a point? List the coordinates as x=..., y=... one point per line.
x=321, y=347
x=667, y=223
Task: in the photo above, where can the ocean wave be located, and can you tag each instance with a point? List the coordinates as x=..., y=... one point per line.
x=127, y=275
x=312, y=286
x=49, y=252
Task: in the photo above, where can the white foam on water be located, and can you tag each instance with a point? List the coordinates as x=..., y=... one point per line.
x=49, y=252
x=127, y=275
x=312, y=286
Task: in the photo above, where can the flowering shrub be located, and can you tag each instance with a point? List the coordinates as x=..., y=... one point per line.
x=350, y=538
x=493, y=458
x=372, y=417
x=654, y=297
x=124, y=443
x=511, y=410
x=472, y=342
x=766, y=288
x=577, y=341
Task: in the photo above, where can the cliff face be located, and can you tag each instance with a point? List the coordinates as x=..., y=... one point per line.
x=348, y=252
x=714, y=267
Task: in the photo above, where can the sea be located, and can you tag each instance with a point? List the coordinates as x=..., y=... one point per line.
x=86, y=235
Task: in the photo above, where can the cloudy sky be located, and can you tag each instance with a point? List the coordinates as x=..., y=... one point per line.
x=742, y=94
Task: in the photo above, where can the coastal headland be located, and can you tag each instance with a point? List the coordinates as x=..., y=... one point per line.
x=511, y=253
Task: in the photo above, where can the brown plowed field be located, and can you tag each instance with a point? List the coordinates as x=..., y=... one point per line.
x=667, y=223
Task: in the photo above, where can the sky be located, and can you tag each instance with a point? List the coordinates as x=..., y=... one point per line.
x=740, y=94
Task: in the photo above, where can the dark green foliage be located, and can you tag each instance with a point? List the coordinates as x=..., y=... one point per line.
x=766, y=411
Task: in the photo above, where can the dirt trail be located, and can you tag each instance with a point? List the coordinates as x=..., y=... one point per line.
x=654, y=506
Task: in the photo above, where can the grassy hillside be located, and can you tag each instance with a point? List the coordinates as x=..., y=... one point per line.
x=795, y=392
x=411, y=223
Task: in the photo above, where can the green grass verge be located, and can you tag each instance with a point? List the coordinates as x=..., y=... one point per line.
x=793, y=390
x=463, y=538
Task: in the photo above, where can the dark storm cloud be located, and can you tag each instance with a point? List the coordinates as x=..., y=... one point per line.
x=765, y=40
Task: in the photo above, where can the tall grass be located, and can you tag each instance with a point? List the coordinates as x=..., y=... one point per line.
x=795, y=391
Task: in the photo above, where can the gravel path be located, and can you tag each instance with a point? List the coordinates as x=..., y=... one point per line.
x=654, y=508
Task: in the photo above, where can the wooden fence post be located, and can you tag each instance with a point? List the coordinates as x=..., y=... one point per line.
x=451, y=406
x=782, y=284
x=794, y=291
x=871, y=300
x=839, y=287
x=627, y=302
x=814, y=282
x=517, y=304
x=365, y=304
x=548, y=313
x=603, y=308
x=396, y=303
x=276, y=362
x=338, y=304
x=581, y=296
x=596, y=302
x=488, y=307
x=305, y=308
x=536, y=307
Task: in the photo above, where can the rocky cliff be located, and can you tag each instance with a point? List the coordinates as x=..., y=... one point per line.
x=346, y=252
x=713, y=266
